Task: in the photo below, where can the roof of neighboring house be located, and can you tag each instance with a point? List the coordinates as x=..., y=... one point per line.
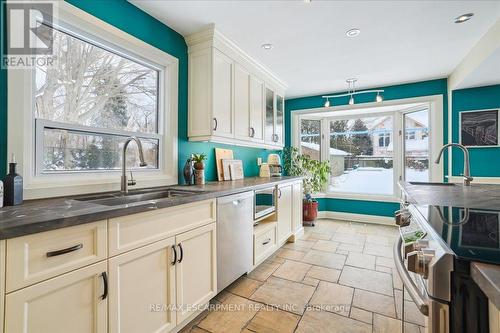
x=413, y=145
x=315, y=146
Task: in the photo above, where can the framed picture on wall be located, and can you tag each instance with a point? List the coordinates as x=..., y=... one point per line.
x=479, y=128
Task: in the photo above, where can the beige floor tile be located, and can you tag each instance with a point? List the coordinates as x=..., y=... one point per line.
x=411, y=328
x=323, y=273
x=263, y=271
x=383, y=324
x=361, y=315
x=379, y=240
x=348, y=229
x=398, y=298
x=412, y=314
x=292, y=270
x=384, y=269
x=232, y=318
x=350, y=247
x=244, y=287
x=196, y=329
x=310, y=281
x=332, y=297
x=300, y=245
x=367, y=279
x=386, y=262
x=271, y=320
x=317, y=236
x=378, y=250
x=290, y=254
x=361, y=260
x=315, y=321
x=356, y=239
x=396, y=280
x=325, y=259
x=284, y=294
x=324, y=245
x=374, y=302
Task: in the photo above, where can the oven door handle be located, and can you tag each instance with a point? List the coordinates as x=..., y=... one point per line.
x=422, y=302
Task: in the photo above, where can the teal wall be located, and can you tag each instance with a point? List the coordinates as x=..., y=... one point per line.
x=417, y=89
x=485, y=162
x=137, y=23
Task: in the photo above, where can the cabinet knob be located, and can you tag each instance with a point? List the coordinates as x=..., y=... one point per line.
x=215, y=124
x=252, y=132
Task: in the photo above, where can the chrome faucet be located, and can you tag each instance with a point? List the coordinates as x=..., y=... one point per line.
x=125, y=183
x=466, y=175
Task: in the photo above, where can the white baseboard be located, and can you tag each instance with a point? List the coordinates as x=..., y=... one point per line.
x=386, y=220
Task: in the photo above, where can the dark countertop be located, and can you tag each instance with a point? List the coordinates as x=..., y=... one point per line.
x=487, y=278
x=40, y=215
x=479, y=196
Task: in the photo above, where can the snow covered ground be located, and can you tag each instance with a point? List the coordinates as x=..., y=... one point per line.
x=372, y=180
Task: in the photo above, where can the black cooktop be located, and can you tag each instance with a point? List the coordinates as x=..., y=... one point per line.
x=473, y=234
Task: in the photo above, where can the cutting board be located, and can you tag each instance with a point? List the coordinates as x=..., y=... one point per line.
x=222, y=154
x=236, y=170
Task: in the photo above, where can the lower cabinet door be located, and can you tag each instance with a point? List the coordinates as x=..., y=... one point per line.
x=297, y=206
x=284, y=213
x=196, y=270
x=142, y=289
x=73, y=302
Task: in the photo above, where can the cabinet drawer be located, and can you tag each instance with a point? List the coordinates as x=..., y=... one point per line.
x=38, y=257
x=132, y=231
x=264, y=244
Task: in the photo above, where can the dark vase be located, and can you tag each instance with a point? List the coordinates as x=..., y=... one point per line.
x=188, y=172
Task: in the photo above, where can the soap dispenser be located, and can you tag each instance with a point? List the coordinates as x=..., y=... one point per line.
x=13, y=186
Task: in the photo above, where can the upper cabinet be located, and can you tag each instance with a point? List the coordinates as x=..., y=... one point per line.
x=232, y=98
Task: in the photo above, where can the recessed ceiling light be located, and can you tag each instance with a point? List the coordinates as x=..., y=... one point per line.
x=352, y=32
x=267, y=46
x=464, y=18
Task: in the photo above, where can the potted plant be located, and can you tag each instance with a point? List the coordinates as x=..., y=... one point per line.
x=199, y=168
x=315, y=179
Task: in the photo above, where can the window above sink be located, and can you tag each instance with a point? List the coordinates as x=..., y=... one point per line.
x=68, y=130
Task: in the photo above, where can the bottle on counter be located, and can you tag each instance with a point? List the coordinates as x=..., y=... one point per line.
x=13, y=186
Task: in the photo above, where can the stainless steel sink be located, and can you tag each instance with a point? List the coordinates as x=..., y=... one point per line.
x=432, y=184
x=116, y=199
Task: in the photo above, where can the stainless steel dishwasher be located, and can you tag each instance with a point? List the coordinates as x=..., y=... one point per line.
x=234, y=237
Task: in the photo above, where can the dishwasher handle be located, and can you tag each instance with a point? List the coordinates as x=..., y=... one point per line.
x=422, y=301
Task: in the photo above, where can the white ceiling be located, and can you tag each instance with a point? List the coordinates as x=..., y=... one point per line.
x=400, y=41
x=486, y=74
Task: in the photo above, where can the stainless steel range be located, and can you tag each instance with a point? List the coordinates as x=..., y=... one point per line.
x=433, y=258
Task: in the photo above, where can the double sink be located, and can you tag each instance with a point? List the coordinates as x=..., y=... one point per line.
x=119, y=198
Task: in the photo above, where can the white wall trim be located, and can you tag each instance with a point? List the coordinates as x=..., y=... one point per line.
x=355, y=196
x=372, y=219
x=21, y=120
x=477, y=180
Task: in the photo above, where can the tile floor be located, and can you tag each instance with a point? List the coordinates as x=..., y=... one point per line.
x=337, y=278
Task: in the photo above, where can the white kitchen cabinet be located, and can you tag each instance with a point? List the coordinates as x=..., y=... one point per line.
x=227, y=97
x=222, y=95
x=297, y=207
x=275, y=117
x=284, y=213
x=494, y=315
x=72, y=302
x=241, y=103
x=142, y=289
x=257, y=109
x=2, y=285
x=196, y=270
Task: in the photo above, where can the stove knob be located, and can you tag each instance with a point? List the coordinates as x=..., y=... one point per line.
x=402, y=217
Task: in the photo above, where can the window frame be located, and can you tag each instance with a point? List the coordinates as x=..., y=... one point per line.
x=22, y=140
x=436, y=138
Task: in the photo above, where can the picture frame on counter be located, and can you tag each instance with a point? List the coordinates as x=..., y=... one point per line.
x=480, y=128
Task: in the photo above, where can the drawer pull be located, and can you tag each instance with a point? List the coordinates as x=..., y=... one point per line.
x=175, y=255
x=182, y=253
x=105, y=282
x=266, y=241
x=64, y=251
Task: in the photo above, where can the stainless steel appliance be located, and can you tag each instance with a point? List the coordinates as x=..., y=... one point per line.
x=433, y=260
x=234, y=237
x=274, y=162
x=264, y=202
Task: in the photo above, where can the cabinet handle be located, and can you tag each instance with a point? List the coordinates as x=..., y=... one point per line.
x=105, y=282
x=215, y=124
x=182, y=253
x=175, y=255
x=252, y=132
x=279, y=193
x=64, y=251
x=266, y=241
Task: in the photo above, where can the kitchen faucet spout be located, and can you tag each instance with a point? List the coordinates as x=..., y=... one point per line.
x=467, y=177
x=125, y=183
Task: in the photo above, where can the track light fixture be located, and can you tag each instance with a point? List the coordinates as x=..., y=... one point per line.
x=351, y=91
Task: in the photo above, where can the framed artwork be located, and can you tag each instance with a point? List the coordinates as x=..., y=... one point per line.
x=479, y=128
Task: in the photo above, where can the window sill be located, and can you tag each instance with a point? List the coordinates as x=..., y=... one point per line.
x=358, y=196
